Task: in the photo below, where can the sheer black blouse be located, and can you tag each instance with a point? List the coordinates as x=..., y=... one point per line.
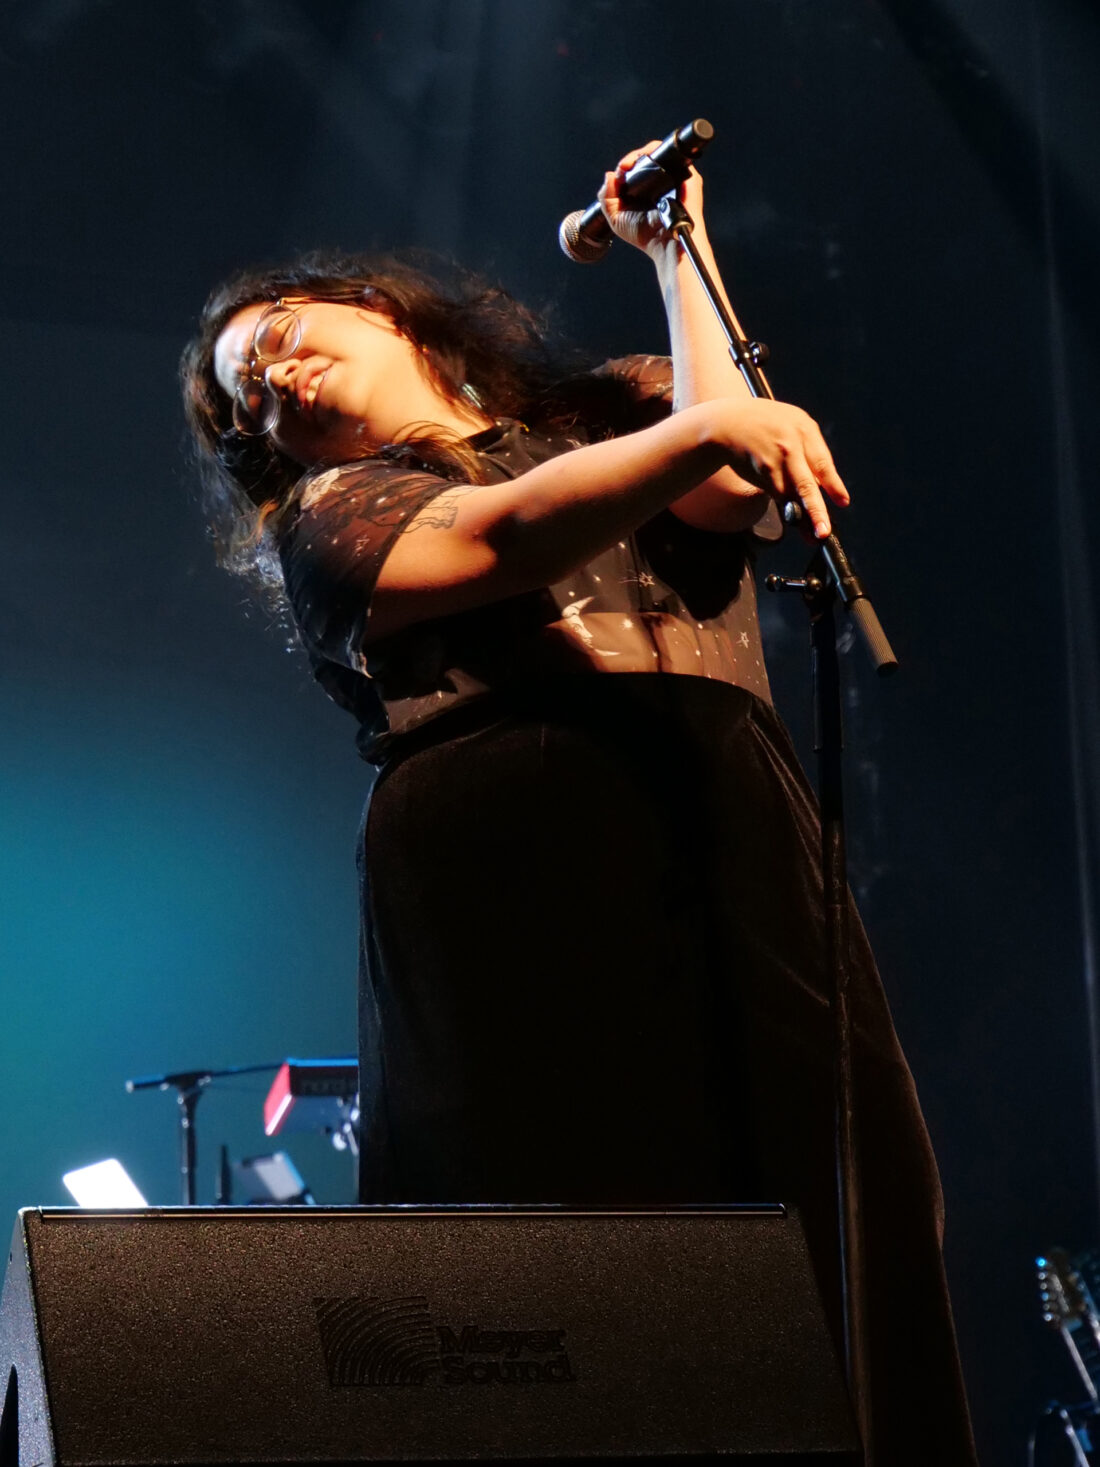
x=668, y=598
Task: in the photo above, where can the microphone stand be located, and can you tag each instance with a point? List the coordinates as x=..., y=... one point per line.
x=189, y=1086
x=828, y=578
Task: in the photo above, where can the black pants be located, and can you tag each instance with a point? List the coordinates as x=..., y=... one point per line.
x=593, y=973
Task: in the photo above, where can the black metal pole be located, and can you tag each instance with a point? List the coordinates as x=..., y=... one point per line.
x=188, y=1099
x=830, y=577
x=829, y=747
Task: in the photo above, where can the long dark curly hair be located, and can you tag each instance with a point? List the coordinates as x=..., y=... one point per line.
x=473, y=334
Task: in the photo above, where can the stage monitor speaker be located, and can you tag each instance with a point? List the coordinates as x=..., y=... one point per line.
x=305, y=1335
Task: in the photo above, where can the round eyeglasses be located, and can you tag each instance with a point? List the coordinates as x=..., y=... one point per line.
x=277, y=336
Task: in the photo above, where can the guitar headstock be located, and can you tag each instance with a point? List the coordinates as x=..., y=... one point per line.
x=1063, y=1294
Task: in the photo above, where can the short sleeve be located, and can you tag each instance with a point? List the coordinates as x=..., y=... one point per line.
x=648, y=377
x=333, y=549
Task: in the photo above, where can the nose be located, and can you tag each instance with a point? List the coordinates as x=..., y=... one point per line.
x=280, y=376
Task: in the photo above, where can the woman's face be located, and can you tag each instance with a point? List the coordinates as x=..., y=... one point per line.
x=352, y=382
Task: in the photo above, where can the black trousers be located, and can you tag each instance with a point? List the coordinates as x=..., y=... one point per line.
x=592, y=972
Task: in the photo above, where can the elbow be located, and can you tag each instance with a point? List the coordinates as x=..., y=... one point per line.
x=529, y=550
x=724, y=503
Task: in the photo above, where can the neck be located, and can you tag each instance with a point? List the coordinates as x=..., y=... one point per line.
x=413, y=398
x=463, y=418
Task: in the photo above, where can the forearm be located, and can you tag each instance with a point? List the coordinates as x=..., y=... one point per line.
x=703, y=369
x=701, y=359
x=473, y=544
x=572, y=507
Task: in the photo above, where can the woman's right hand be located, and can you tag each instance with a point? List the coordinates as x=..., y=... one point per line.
x=780, y=449
x=643, y=227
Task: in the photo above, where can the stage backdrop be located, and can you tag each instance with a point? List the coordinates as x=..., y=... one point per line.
x=904, y=199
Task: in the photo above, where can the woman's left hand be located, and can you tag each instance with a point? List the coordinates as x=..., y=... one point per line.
x=642, y=227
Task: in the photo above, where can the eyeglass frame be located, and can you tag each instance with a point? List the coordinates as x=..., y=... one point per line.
x=241, y=413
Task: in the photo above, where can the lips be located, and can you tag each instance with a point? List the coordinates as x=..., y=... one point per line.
x=308, y=385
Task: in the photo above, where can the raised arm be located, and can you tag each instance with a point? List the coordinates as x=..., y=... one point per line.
x=474, y=544
x=702, y=366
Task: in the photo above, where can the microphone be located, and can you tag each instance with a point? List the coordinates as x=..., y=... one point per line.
x=586, y=236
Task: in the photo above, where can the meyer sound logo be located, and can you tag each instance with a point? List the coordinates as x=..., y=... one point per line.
x=395, y=1342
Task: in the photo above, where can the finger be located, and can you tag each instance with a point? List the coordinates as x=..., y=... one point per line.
x=803, y=486
x=609, y=197
x=834, y=486
x=822, y=466
x=767, y=475
x=611, y=191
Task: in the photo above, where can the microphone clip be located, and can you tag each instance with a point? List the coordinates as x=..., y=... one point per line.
x=674, y=216
x=586, y=236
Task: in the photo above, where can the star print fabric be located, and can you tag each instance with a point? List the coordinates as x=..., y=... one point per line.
x=668, y=598
x=348, y=519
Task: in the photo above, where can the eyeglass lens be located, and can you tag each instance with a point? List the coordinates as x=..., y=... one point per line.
x=277, y=336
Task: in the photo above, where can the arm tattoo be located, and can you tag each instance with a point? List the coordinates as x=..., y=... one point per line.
x=439, y=513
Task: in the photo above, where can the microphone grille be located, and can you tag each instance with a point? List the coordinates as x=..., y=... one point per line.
x=580, y=249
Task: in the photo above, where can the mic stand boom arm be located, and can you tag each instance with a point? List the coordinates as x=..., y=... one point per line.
x=189, y=1086
x=828, y=578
